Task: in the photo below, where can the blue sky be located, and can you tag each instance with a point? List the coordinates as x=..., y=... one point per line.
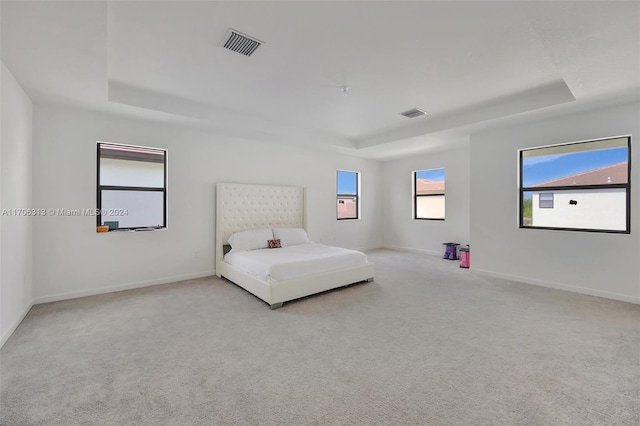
x=433, y=174
x=547, y=167
x=347, y=182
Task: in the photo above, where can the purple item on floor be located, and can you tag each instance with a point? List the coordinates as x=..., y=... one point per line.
x=451, y=251
x=454, y=253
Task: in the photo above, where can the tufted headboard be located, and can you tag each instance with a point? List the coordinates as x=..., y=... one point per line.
x=244, y=206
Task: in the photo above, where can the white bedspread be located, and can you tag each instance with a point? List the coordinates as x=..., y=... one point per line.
x=292, y=262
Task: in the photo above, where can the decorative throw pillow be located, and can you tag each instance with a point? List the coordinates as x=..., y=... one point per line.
x=274, y=243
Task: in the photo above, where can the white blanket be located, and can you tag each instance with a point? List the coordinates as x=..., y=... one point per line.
x=287, y=263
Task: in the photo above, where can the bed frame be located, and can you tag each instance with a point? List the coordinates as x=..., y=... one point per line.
x=240, y=207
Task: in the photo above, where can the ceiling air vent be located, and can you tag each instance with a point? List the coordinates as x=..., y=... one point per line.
x=413, y=113
x=241, y=43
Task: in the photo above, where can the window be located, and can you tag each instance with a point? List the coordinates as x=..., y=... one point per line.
x=546, y=200
x=580, y=186
x=132, y=186
x=428, y=191
x=347, y=195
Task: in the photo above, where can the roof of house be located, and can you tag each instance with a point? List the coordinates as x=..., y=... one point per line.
x=617, y=173
x=426, y=186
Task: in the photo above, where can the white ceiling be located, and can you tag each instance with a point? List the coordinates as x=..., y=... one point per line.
x=470, y=65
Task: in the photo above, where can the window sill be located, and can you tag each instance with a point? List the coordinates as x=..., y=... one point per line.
x=596, y=231
x=128, y=231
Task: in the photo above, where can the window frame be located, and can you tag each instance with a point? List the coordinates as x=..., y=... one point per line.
x=416, y=195
x=100, y=188
x=357, y=195
x=555, y=189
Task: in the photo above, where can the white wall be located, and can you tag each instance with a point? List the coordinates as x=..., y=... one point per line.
x=431, y=207
x=400, y=229
x=71, y=259
x=595, y=209
x=131, y=173
x=591, y=263
x=15, y=192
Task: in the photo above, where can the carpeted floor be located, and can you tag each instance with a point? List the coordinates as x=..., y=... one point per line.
x=426, y=343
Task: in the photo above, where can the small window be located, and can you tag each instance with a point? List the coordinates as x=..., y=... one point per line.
x=580, y=186
x=546, y=200
x=347, y=195
x=132, y=183
x=428, y=200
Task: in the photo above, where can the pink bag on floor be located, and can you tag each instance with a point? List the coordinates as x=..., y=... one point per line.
x=465, y=258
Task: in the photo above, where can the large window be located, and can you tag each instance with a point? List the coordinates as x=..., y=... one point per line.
x=581, y=186
x=428, y=199
x=132, y=187
x=347, y=195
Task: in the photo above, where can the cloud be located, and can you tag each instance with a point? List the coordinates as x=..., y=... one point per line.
x=532, y=161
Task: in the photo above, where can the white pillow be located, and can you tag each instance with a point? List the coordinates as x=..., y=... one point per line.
x=252, y=239
x=290, y=236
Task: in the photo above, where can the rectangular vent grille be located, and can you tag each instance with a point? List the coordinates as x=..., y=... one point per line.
x=413, y=113
x=241, y=43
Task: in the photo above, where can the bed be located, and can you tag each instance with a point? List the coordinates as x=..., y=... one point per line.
x=282, y=274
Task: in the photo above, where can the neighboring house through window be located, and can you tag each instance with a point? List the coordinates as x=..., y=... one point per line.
x=347, y=195
x=428, y=194
x=583, y=186
x=132, y=186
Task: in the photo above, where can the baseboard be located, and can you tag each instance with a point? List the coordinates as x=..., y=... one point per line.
x=368, y=248
x=559, y=286
x=15, y=325
x=128, y=286
x=414, y=250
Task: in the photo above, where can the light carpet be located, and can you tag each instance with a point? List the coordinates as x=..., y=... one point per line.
x=426, y=343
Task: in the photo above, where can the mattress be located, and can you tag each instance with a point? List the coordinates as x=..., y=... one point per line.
x=287, y=263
